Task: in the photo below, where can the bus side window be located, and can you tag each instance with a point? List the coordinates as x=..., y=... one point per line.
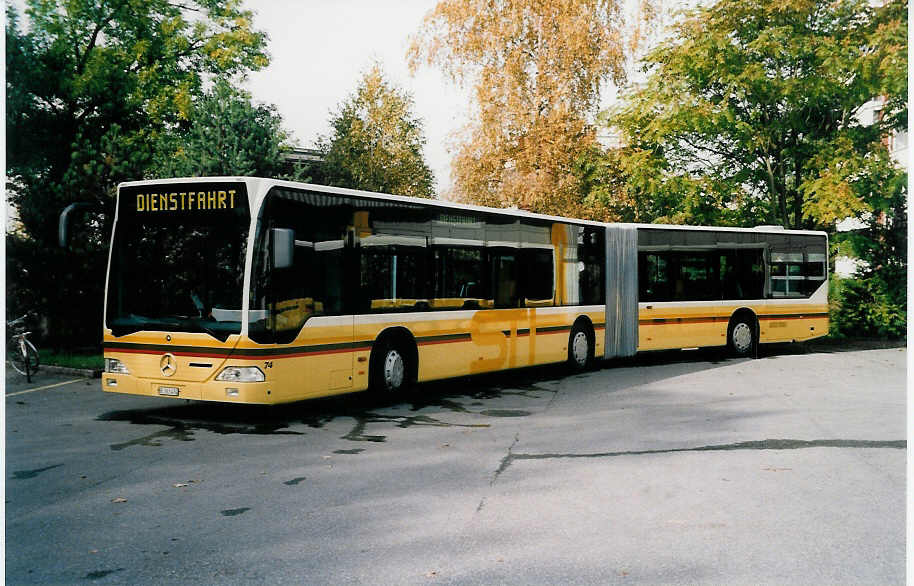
x=393, y=278
x=696, y=280
x=751, y=273
x=538, y=276
x=375, y=278
x=729, y=281
x=458, y=275
x=654, y=278
x=503, y=266
x=592, y=253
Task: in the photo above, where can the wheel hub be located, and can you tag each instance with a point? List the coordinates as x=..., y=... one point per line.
x=742, y=337
x=579, y=348
x=394, y=370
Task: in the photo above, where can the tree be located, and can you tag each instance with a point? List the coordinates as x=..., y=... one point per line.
x=92, y=86
x=751, y=114
x=376, y=142
x=226, y=135
x=756, y=101
x=537, y=69
x=94, y=81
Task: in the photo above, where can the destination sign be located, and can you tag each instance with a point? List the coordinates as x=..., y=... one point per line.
x=186, y=200
x=182, y=198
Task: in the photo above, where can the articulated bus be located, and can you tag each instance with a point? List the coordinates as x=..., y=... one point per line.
x=263, y=291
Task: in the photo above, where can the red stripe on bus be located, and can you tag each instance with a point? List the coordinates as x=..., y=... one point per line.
x=237, y=355
x=432, y=342
x=663, y=321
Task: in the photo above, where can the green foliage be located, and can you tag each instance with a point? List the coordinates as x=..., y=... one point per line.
x=64, y=289
x=874, y=307
x=376, y=142
x=90, y=79
x=637, y=185
x=92, y=87
x=226, y=135
x=751, y=104
x=750, y=115
x=88, y=361
x=874, y=302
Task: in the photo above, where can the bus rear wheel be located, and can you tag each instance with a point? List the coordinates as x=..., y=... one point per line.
x=741, y=338
x=389, y=369
x=580, y=348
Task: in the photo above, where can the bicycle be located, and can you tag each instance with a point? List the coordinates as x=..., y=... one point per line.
x=21, y=354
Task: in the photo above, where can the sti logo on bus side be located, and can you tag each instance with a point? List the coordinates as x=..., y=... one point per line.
x=186, y=200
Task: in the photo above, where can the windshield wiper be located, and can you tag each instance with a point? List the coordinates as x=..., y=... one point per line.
x=197, y=322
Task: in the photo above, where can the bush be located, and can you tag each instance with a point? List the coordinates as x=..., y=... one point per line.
x=873, y=307
x=63, y=290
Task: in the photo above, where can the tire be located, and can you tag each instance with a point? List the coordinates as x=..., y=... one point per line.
x=741, y=336
x=18, y=361
x=389, y=369
x=580, y=348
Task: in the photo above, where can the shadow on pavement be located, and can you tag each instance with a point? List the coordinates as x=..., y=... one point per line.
x=474, y=395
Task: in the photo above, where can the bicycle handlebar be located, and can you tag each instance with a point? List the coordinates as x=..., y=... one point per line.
x=18, y=320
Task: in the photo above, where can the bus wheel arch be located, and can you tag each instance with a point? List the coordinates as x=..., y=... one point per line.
x=743, y=332
x=581, y=344
x=394, y=361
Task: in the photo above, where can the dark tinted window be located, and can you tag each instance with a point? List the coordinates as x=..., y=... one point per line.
x=653, y=277
x=538, y=282
x=742, y=274
x=356, y=255
x=695, y=277
x=283, y=299
x=458, y=275
x=394, y=277
x=592, y=263
x=700, y=275
x=503, y=277
x=177, y=259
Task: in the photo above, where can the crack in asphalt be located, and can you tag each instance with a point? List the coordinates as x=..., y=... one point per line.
x=768, y=444
x=505, y=462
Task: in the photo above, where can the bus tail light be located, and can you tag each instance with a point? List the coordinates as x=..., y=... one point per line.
x=241, y=374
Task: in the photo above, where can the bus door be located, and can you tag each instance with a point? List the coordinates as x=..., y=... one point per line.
x=501, y=330
x=332, y=329
x=307, y=317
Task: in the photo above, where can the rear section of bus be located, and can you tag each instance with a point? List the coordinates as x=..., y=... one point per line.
x=175, y=291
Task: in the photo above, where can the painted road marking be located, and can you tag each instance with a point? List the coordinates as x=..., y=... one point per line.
x=75, y=380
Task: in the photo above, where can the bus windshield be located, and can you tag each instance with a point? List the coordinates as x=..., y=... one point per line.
x=177, y=261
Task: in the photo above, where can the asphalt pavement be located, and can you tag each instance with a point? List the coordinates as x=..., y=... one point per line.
x=669, y=468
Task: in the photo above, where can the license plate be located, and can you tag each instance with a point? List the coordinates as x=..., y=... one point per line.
x=169, y=391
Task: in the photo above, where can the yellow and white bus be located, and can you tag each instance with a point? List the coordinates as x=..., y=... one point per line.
x=263, y=291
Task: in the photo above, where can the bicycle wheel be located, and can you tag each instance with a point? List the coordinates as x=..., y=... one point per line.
x=15, y=357
x=32, y=353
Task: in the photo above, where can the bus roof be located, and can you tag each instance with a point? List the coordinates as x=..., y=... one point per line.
x=258, y=187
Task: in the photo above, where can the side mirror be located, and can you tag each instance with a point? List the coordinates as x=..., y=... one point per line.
x=283, y=247
x=63, y=224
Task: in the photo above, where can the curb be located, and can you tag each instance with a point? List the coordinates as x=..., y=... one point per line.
x=84, y=372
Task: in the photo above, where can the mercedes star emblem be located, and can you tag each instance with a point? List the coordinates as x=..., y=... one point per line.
x=168, y=365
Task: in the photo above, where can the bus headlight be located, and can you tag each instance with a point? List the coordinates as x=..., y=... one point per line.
x=116, y=366
x=241, y=374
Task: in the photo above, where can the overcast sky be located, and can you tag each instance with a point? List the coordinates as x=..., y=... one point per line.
x=320, y=50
